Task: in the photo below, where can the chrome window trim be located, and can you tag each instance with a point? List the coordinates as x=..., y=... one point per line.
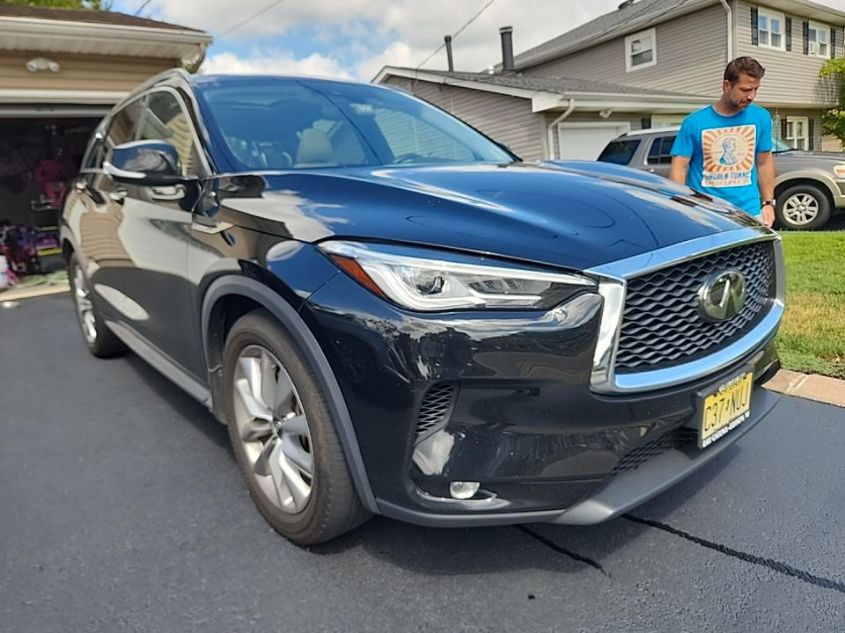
x=613, y=279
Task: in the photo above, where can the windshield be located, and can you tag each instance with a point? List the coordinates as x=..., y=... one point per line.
x=779, y=146
x=276, y=123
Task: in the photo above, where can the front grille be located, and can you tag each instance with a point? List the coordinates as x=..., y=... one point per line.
x=661, y=326
x=435, y=407
x=640, y=455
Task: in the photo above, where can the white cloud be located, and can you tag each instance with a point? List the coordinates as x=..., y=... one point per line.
x=270, y=62
x=357, y=37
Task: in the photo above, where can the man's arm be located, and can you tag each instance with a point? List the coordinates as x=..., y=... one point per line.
x=678, y=171
x=766, y=182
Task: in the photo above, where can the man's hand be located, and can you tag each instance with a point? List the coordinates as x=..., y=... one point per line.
x=767, y=217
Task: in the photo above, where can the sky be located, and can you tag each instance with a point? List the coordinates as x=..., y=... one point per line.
x=354, y=39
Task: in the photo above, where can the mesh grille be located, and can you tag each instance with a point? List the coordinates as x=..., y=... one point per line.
x=650, y=450
x=661, y=326
x=435, y=407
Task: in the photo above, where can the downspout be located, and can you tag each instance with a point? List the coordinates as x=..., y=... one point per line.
x=730, y=16
x=550, y=130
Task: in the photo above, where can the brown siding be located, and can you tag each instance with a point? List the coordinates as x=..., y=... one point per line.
x=79, y=72
x=506, y=119
x=691, y=57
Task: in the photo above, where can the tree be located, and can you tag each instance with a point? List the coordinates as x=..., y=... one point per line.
x=96, y=5
x=833, y=121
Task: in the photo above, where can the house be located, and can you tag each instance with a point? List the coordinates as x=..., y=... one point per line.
x=61, y=70
x=649, y=63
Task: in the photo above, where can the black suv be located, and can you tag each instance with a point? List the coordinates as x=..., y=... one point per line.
x=395, y=315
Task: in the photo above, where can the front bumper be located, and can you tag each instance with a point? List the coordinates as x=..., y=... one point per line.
x=523, y=421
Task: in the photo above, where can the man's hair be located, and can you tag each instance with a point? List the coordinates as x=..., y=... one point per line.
x=743, y=66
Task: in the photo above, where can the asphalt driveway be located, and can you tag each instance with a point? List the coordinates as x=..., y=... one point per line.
x=121, y=509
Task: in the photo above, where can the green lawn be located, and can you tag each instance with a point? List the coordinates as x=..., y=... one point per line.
x=812, y=336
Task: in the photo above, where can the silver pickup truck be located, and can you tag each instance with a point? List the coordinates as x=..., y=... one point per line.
x=809, y=186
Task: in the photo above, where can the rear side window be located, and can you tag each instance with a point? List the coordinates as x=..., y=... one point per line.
x=660, y=152
x=620, y=152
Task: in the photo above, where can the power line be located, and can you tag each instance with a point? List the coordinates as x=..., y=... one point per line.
x=141, y=8
x=250, y=18
x=458, y=32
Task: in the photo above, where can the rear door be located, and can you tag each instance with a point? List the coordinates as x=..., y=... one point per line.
x=659, y=157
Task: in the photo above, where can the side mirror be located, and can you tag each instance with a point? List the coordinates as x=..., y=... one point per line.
x=146, y=163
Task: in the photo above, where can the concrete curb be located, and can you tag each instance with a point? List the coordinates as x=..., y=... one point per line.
x=809, y=386
x=790, y=383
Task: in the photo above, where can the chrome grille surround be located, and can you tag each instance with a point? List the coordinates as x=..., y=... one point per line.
x=615, y=279
x=661, y=326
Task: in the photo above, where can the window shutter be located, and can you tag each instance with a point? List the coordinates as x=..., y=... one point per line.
x=789, y=34
x=783, y=130
x=645, y=122
x=806, y=38
x=755, y=28
x=832, y=43
x=810, y=136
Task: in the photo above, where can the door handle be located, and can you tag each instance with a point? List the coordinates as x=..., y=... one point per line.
x=80, y=186
x=118, y=195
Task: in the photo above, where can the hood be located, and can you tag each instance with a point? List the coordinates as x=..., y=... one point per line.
x=565, y=214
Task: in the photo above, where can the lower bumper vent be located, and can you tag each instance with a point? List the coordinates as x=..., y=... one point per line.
x=640, y=455
x=435, y=408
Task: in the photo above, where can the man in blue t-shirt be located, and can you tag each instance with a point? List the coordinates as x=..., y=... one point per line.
x=725, y=149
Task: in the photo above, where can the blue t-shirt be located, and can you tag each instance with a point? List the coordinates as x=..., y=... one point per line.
x=723, y=153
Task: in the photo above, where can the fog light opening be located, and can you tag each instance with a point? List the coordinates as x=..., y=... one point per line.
x=463, y=489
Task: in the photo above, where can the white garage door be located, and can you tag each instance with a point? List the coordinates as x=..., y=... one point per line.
x=585, y=141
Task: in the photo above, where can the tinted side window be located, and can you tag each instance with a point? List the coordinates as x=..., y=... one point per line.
x=95, y=154
x=122, y=127
x=166, y=120
x=620, y=152
x=660, y=152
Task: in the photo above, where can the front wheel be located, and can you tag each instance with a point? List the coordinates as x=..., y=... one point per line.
x=99, y=339
x=283, y=435
x=803, y=208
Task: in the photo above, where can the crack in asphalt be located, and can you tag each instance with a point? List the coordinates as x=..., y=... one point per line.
x=562, y=550
x=774, y=565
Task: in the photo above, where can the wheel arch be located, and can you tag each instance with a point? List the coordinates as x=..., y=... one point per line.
x=229, y=297
x=823, y=186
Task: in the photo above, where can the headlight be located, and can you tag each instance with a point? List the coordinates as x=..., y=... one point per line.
x=839, y=170
x=430, y=281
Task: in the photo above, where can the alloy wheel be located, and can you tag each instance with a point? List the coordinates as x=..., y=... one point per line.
x=273, y=428
x=84, y=306
x=801, y=209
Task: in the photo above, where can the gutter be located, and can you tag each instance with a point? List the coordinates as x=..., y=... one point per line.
x=63, y=32
x=730, y=18
x=550, y=135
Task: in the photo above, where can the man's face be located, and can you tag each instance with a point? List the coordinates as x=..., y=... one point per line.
x=741, y=94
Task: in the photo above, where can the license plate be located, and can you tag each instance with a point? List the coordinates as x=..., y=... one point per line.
x=725, y=409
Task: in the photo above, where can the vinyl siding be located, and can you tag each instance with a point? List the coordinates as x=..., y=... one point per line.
x=79, y=72
x=691, y=57
x=792, y=78
x=506, y=119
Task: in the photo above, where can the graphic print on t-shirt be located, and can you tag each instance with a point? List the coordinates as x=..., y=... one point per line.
x=728, y=155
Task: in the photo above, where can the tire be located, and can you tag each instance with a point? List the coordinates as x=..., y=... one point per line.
x=283, y=434
x=99, y=339
x=803, y=208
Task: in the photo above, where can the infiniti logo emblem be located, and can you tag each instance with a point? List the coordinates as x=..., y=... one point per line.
x=722, y=295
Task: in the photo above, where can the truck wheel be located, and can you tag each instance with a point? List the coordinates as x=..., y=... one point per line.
x=803, y=208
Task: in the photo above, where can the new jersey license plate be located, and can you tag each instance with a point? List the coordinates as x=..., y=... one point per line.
x=725, y=409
